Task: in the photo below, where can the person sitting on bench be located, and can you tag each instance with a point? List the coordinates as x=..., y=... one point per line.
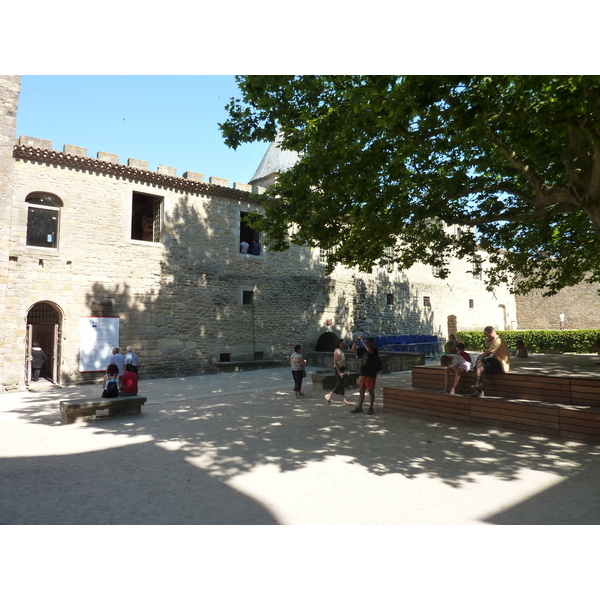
x=129, y=382
x=496, y=359
x=456, y=363
x=521, y=350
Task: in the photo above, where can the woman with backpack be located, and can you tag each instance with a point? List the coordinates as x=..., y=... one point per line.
x=111, y=382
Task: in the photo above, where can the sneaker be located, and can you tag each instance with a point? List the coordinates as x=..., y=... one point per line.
x=370, y=411
x=356, y=410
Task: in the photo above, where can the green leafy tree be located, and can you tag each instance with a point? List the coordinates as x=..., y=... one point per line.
x=434, y=166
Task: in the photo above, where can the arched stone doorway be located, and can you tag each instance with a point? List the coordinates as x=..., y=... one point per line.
x=326, y=342
x=502, y=316
x=44, y=323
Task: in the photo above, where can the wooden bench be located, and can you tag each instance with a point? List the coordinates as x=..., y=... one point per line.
x=528, y=386
x=71, y=409
x=565, y=406
x=580, y=423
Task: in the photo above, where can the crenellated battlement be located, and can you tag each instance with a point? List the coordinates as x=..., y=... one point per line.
x=29, y=148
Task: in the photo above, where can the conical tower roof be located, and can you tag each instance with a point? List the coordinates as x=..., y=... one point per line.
x=276, y=160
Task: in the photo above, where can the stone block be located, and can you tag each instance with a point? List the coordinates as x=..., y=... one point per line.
x=25, y=140
x=106, y=157
x=194, y=176
x=245, y=187
x=137, y=164
x=75, y=150
x=163, y=170
x=218, y=181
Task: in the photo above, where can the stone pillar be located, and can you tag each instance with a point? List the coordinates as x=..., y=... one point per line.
x=10, y=86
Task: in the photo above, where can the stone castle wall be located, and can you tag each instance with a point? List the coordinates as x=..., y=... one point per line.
x=180, y=301
x=9, y=95
x=579, y=303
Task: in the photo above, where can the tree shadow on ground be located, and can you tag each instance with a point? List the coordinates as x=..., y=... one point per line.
x=120, y=486
x=574, y=501
x=236, y=433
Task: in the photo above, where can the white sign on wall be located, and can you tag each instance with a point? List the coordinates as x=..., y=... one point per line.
x=97, y=337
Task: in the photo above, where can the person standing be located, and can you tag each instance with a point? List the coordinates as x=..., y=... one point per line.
x=341, y=372
x=298, y=363
x=561, y=321
x=244, y=246
x=38, y=358
x=131, y=358
x=496, y=359
x=370, y=365
x=119, y=360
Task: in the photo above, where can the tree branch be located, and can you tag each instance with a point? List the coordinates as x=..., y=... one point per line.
x=521, y=166
x=521, y=217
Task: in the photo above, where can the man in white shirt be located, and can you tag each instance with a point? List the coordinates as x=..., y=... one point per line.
x=119, y=360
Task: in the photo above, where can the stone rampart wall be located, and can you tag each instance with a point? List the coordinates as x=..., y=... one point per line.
x=180, y=301
x=580, y=305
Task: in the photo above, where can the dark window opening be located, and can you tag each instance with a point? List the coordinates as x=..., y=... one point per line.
x=426, y=301
x=146, y=217
x=390, y=299
x=258, y=355
x=224, y=357
x=247, y=297
x=249, y=238
x=477, y=268
x=43, y=215
x=471, y=304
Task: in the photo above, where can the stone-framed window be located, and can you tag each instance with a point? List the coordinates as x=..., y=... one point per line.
x=427, y=301
x=43, y=220
x=146, y=217
x=471, y=304
x=249, y=238
x=248, y=297
x=477, y=267
x=386, y=263
x=324, y=253
x=389, y=299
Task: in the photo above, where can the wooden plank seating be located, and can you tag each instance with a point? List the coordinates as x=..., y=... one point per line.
x=585, y=391
x=580, y=423
x=552, y=405
x=516, y=413
x=546, y=388
x=411, y=401
x=71, y=409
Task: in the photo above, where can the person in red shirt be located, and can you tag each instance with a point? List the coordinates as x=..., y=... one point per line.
x=129, y=382
x=461, y=352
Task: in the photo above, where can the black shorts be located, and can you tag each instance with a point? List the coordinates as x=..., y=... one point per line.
x=491, y=365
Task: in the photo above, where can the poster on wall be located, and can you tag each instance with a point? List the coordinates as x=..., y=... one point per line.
x=97, y=337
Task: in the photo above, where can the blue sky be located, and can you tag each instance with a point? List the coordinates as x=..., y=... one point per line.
x=170, y=120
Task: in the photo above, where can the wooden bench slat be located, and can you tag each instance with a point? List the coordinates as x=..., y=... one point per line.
x=517, y=426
